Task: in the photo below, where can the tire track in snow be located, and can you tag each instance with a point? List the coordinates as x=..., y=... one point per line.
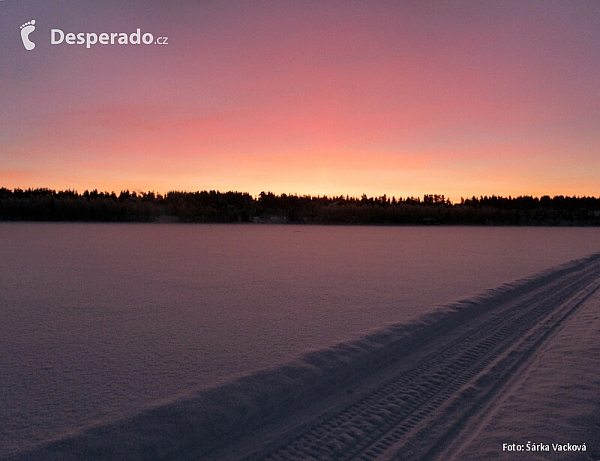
x=424, y=402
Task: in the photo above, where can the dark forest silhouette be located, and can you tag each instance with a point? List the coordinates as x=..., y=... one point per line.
x=212, y=206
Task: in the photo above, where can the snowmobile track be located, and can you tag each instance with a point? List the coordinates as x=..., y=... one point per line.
x=425, y=401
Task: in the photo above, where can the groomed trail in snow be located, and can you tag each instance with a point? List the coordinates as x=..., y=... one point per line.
x=420, y=391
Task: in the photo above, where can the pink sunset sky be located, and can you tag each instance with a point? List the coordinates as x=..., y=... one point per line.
x=400, y=98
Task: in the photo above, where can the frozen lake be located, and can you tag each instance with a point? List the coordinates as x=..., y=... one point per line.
x=100, y=321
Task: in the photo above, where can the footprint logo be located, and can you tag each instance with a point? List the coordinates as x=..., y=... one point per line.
x=26, y=29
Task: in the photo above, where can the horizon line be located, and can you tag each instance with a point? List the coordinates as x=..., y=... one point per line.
x=142, y=192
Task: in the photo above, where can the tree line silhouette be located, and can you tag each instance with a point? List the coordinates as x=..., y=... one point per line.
x=212, y=206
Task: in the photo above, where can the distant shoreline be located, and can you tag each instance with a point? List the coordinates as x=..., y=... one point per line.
x=45, y=205
x=242, y=223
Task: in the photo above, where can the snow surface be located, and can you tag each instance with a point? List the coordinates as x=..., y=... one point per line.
x=103, y=321
x=554, y=400
x=519, y=363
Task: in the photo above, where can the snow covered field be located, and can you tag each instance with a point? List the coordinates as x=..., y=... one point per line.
x=511, y=374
